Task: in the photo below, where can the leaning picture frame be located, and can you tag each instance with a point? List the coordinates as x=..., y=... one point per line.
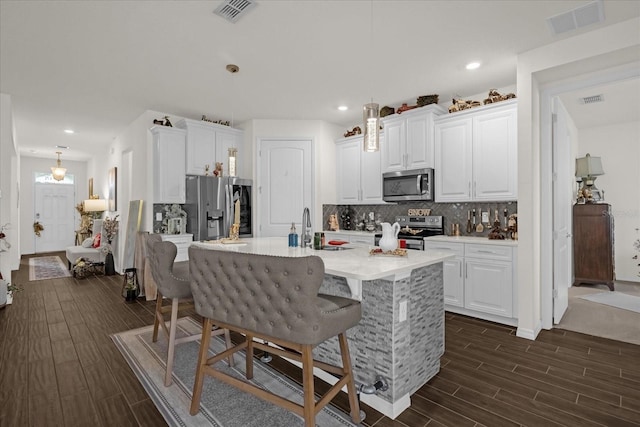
x=113, y=188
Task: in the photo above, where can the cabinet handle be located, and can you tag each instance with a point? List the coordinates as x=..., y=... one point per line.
x=460, y=269
x=474, y=188
x=487, y=252
x=470, y=189
x=466, y=272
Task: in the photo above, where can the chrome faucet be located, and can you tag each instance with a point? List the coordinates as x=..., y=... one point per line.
x=305, y=234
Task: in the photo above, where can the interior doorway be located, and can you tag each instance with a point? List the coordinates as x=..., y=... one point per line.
x=552, y=209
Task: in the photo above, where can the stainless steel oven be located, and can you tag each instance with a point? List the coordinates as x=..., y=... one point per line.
x=413, y=230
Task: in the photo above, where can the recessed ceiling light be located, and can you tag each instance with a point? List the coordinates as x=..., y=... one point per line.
x=64, y=147
x=473, y=65
x=343, y=108
x=69, y=131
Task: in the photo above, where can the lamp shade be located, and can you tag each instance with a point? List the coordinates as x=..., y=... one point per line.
x=95, y=205
x=371, y=116
x=58, y=171
x=589, y=166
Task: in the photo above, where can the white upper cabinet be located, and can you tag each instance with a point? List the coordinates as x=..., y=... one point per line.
x=476, y=155
x=358, y=175
x=408, y=139
x=168, y=164
x=208, y=143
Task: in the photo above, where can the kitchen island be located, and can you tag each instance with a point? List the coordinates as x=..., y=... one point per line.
x=401, y=334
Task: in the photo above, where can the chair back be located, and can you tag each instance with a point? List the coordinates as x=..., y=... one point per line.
x=270, y=295
x=161, y=257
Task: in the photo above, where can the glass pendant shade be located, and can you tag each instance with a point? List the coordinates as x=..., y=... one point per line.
x=58, y=171
x=371, y=117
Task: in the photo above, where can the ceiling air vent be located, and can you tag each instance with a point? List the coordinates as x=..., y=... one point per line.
x=232, y=10
x=582, y=16
x=592, y=99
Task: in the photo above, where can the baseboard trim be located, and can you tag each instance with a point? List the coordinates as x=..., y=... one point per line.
x=529, y=334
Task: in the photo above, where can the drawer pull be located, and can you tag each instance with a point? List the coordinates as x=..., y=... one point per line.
x=486, y=252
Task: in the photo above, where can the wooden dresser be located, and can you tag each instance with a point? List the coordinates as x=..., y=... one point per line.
x=593, y=259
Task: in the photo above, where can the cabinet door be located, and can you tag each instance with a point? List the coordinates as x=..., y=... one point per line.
x=370, y=177
x=495, y=156
x=393, y=148
x=201, y=149
x=453, y=282
x=224, y=141
x=348, y=171
x=453, y=157
x=169, y=165
x=419, y=142
x=488, y=286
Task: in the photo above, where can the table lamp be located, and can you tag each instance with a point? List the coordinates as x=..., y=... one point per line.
x=588, y=168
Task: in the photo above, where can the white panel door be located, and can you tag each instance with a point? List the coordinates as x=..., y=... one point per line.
x=453, y=157
x=393, y=148
x=285, y=187
x=54, y=208
x=562, y=201
x=370, y=176
x=453, y=282
x=419, y=143
x=201, y=150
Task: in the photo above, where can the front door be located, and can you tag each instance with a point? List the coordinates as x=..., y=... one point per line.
x=54, y=210
x=285, y=184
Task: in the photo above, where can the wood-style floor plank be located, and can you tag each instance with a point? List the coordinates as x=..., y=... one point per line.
x=58, y=366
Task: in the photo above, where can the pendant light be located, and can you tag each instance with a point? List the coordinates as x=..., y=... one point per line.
x=58, y=171
x=232, y=151
x=371, y=114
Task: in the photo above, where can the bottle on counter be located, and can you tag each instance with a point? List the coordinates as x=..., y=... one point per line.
x=293, y=236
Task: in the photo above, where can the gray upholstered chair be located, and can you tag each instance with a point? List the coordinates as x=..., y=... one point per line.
x=173, y=282
x=275, y=299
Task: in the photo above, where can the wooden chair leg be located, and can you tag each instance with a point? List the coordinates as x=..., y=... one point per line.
x=227, y=340
x=249, y=357
x=156, y=320
x=307, y=386
x=351, y=387
x=202, y=363
x=171, y=347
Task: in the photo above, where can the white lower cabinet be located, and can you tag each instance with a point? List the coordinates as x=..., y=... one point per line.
x=182, y=242
x=480, y=280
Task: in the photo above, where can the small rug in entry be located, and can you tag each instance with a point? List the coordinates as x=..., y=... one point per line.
x=47, y=267
x=221, y=405
x=615, y=299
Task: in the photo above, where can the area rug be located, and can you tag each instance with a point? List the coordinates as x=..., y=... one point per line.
x=615, y=299
x=47, y=267
x=222, y=405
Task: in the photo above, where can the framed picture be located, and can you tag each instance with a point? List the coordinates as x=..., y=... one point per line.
x=113, y=185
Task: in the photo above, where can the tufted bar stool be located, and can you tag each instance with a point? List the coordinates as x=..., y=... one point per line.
x=275, y=299
x=173, y=282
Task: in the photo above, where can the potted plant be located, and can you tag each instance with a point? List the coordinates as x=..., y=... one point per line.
x=6, y=292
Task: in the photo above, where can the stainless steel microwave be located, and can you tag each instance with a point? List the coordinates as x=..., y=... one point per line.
x=408, y=185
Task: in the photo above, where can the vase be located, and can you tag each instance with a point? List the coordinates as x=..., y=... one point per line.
x=389, y=240
x=109, y=267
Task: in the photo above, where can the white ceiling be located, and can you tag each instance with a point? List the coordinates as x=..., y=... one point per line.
x=94, y=66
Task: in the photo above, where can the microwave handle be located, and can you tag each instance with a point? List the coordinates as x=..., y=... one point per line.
x=419, y=184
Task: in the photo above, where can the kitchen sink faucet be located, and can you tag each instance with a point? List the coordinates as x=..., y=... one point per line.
x=305, y=238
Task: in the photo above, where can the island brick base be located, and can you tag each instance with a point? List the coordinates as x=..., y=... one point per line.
x=406, y=353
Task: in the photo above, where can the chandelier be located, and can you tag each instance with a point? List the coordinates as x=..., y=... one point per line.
x=58, y=171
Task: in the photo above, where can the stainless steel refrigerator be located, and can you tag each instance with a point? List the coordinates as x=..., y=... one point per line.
x=211, y=205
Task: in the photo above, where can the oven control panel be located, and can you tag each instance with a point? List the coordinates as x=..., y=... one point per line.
x=419, y=221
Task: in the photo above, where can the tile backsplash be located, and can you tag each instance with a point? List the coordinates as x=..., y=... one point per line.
x=452, y=213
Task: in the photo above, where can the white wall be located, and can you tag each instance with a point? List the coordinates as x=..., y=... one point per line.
x=619, y=148
x=323, y=135
x=28, y=167
x=530, y=66
x=9, y=182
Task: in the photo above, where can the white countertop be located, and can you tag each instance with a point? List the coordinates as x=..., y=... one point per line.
x=471, y=239
x=354, y=263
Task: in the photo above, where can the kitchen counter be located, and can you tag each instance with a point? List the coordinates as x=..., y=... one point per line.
x=353, y=232
x=472, y=239
x=401, y=333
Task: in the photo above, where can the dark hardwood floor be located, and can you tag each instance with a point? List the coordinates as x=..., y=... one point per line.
x=58, y=367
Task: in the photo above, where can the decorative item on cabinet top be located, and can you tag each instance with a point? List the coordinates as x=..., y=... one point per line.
x=163, y=122
x=494, y=96
x=218, y=122
x=355, y=131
